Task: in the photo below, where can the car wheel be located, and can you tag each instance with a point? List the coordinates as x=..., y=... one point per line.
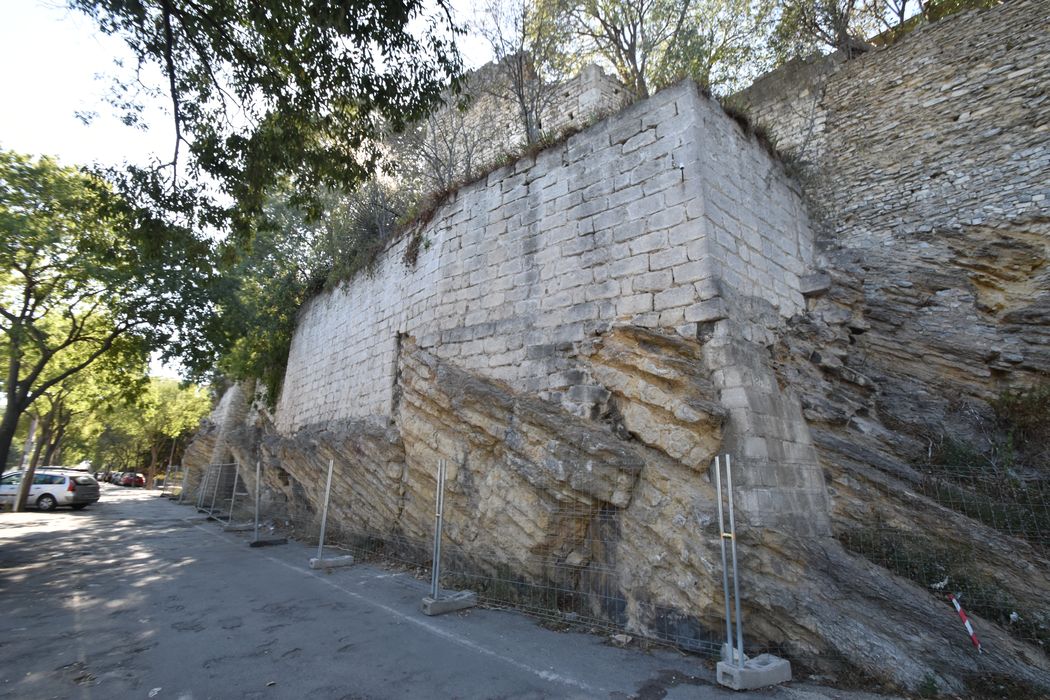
x=80, y=506
x=46, y=502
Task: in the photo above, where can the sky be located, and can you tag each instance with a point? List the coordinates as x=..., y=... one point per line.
x=56, y=64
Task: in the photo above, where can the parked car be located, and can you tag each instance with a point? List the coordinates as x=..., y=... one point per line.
x=52, y=487
x=132, y=479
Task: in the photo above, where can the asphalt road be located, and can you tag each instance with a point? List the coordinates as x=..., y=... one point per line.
x=136, y=597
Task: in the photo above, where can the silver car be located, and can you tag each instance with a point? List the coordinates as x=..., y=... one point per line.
x=52, y=488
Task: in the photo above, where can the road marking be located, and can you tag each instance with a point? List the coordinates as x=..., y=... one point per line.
x=433, y=629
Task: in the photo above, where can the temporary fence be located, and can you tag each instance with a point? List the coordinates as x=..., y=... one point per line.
x=174, y=481
x=576, y=580
x=218, y=491
x=1008, y=528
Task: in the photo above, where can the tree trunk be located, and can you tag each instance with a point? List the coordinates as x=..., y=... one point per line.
x=154, y=454
x=27, y=476
x=8, y=427
x=45, y=437
x=51, y=455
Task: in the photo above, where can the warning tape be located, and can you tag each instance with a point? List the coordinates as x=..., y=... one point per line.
x=966, y=622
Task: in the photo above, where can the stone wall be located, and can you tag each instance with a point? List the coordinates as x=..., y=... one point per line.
x=663, y=216
x=585, y=329
x=947, y=128
x=638, y=219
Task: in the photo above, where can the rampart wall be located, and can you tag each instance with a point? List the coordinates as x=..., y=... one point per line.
x=948, y=128
x=642, y=218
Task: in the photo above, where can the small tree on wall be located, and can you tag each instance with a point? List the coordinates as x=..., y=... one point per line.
x=532, y=55
x=806, y=26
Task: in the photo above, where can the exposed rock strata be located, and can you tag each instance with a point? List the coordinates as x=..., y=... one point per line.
x=526, y=479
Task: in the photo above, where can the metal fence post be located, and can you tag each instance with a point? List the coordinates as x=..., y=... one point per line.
x=736, y=577
x=182, y=489
x=258, y=491
x=256, y=540
x=202, y=487
x=435, y=604
x=320, y=562
x=723, y=535
x=324, y=511
x=233, y=496
x=439, y=512
x=215, y=491
x=737, y=671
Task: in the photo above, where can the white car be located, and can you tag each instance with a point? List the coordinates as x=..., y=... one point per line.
x=52, y=488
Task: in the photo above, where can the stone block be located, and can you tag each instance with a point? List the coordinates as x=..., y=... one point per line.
x=652, y=281
x=760, y=672
x=675, y=297
x=710, y=310
x=649, y=242
x=635, y=304
x=326, y=563
x=690, y=271
x=672, y=257
x=451, y=602
x=815, y=284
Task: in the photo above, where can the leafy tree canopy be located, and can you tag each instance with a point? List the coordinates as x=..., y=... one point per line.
x=290, y=260
x=83, y=274
x=265, y=91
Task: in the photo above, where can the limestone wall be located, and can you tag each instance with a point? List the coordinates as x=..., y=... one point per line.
x=948, y=128
x=637, y=219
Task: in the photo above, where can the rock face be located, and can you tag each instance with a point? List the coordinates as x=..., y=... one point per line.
x=527, y=479
x=592, y=325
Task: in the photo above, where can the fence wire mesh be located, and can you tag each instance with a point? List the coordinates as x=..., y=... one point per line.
x=984, y=564
x=174, y=482
x=575, y=579
x=573, y=582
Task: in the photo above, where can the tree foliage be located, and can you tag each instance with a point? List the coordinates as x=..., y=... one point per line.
x=271, y=91
x=83, y=275
x=638, y=38
x=132, y=430
x=533, y=55
x=807, y=26
x=293, y=258
x=721, y=44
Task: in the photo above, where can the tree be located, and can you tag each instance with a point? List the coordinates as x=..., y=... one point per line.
x=73, y=410
x=167, y=412
x=298, y=255
x=84, y=274
x=640, y=39
x=807, y=26
x=723, y=45
x=451, y=146
x=265, y=91
x=532, y=55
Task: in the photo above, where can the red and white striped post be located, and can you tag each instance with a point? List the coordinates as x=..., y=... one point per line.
x=966, y=622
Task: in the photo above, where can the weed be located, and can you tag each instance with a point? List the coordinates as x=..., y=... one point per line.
x=928, y=687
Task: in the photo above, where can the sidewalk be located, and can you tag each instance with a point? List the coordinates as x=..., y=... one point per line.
x=137, y=598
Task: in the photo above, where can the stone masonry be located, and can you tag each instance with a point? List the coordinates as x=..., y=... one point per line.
x=948, y=128
x=663, y=216
x=585, y=329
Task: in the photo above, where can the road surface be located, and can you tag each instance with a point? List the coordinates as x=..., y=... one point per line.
x=136, y=597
